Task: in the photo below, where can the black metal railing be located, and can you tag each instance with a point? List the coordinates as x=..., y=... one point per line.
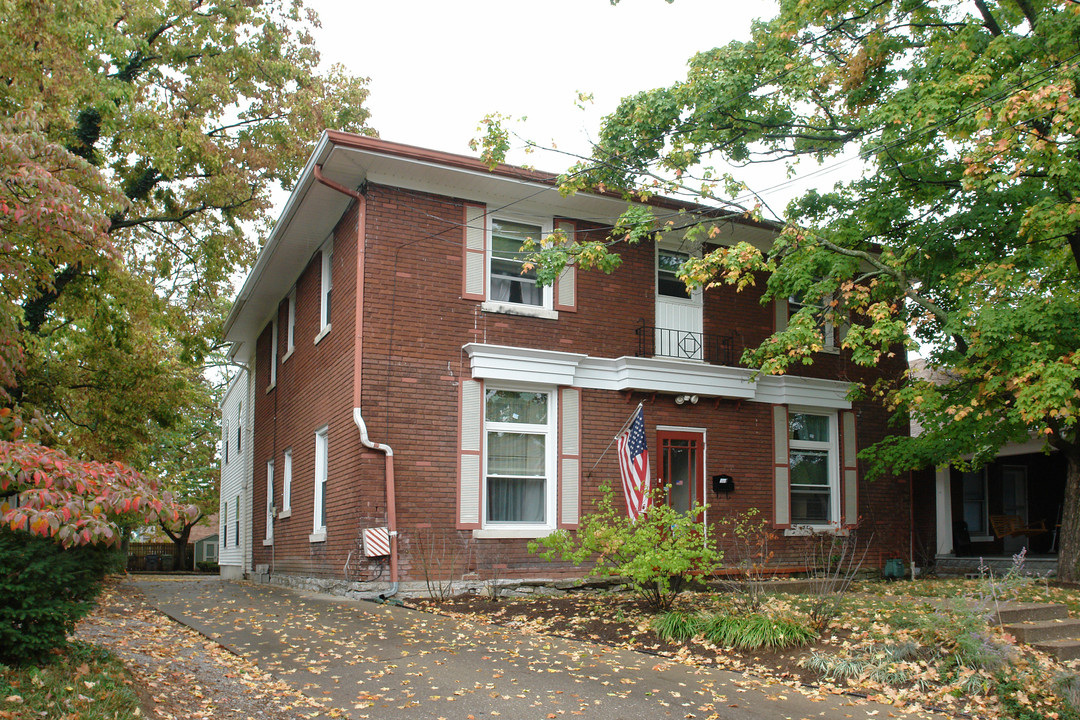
x=685, y=345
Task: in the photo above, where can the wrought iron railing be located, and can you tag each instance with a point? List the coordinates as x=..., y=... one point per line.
x=685, y=345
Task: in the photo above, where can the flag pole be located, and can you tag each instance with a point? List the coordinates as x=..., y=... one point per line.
x=621, y=431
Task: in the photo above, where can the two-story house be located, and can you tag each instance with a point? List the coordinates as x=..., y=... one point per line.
x=416, y=400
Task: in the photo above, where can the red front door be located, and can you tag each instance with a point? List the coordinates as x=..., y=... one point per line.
x=682, y=467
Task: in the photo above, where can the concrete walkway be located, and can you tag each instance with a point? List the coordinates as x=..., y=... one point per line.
x=362, y=660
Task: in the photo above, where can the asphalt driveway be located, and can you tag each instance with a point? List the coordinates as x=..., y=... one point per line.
x=363, y=660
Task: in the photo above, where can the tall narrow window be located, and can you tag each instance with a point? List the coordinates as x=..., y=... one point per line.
x=225, y=524
x=975, y=515
x=239, y=425
x=322, y=457
x=286, y=485
x=290, y=328
x=520, y=485
x=327, y=286
x=814, y=468
x=236, y=522
x=270, y=500
x=273, y=351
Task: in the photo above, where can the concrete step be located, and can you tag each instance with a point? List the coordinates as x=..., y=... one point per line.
x=1067, y=649
x=1029, y=612
x=1042, y=630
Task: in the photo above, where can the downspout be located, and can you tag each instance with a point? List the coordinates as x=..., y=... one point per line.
x=358, y=365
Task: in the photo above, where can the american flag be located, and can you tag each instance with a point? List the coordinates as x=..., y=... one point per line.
x=634, y=465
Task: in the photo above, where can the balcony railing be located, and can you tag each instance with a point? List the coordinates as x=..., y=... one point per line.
x=685, y=345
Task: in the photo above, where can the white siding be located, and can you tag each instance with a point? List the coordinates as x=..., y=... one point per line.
x=235, y=475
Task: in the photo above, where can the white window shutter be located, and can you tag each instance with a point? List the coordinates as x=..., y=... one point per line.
x=472, y=444
x=474, y=257
x=851, y=469
x=781, y=468
x=566, y=284
x=569, y=457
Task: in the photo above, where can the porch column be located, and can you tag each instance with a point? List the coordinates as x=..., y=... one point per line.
x=943, y=508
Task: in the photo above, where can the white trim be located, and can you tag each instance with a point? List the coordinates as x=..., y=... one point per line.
x=551, y=458
x=551, y=367
x=545, y=225
x=832, y=447
x=326, y=253
x=269, y=502
x=317, y=536
x=508, y=308
x=322, y=476
x=322, y=333
x=944, y=521
x=286, y=485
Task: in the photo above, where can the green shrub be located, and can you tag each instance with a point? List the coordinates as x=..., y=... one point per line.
x=207, y=566
x=44, y=591
x=750, y=632
x=659, y=554
x=676, y=625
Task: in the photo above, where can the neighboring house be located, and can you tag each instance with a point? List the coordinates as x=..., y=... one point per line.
x=206, y=549
x=234, y=516
x=984, y=513
x=417, y=401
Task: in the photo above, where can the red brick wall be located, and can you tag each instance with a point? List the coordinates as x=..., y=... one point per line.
x=415, y=324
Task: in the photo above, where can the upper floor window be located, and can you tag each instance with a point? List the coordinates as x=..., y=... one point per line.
x=273, y=352
x=818, y=306
x=814, y=466
x=510, y=280
x=668, y=283
x=326, y=289
x=290, y=326
x=239, y=425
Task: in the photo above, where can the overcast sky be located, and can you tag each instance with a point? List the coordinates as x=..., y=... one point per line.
x=437, y=68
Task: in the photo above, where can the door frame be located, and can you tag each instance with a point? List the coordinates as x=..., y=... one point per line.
x=694, y=434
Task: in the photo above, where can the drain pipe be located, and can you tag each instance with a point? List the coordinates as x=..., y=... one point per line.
x=358, y=365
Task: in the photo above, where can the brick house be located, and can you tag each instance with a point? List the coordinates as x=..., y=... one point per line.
x=414, y=401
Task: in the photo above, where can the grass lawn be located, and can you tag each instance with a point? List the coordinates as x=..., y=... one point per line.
x=80, y=682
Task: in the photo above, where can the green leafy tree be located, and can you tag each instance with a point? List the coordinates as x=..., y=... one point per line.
x=142, y=143
x=960, y=229
x=659, y=554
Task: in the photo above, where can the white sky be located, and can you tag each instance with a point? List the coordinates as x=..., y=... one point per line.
x=438, y=67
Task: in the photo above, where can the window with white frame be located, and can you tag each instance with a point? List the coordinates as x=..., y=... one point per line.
x=509, y=281
x=668, y=283
x=225, y=524
x=239, y=425
x=519, y=476
x=273, y=351
x=820, y=306
x=322, y=456
x=286, y=485
x=270, y=500
x=236, y=521
x=814, y=468
x=290, y=328
x=327, y=287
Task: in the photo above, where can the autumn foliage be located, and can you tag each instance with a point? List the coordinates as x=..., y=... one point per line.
x=76, y=502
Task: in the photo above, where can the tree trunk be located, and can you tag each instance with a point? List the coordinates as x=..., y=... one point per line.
x=1069, y=536
x=180, y=543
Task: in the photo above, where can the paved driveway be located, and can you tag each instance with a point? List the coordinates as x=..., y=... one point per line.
x=375, y=661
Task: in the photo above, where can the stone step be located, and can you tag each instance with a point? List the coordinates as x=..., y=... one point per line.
x=1043, y=630
x=1029, y=612
x=1067, y=649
